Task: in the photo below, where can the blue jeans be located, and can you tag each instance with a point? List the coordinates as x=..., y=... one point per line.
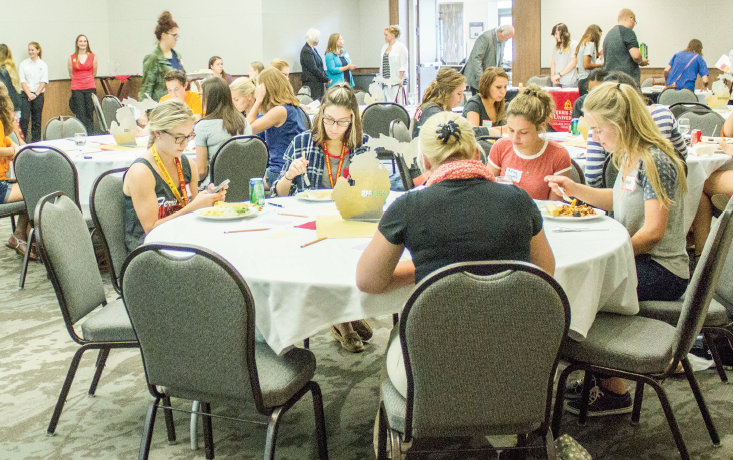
x=655, y=282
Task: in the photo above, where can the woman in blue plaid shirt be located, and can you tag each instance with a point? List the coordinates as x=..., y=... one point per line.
x=323, y=155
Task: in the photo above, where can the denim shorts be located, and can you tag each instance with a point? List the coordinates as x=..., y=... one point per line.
x=5, y=188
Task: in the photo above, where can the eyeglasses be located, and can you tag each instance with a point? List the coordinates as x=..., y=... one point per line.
x=341, y=123
x=174, y=35
x=180, y=139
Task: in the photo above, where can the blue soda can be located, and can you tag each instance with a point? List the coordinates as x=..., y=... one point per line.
x=575, y=127
x=257, y=191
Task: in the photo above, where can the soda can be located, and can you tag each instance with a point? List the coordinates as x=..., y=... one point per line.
x=257, y=191
x=575, y=127
x=643, y=50
x=695, y=136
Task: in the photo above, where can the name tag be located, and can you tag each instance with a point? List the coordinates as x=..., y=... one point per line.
x=346, y=55
x=513, y=174
x=630, y=182
x=188, y=190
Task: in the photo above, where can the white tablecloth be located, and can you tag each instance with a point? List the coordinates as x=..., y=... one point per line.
x=300, y=291
x=91, y=161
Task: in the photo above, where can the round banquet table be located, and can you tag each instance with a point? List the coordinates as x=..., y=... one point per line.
x=301, y=291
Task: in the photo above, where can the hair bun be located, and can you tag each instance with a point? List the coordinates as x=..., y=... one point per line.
x=165, y=18
x=448, y=130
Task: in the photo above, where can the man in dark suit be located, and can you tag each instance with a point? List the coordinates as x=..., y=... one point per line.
x=488, y=51
x=312, y=66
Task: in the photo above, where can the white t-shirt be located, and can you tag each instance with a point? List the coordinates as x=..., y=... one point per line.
x=589, y=49
x=33, y=73
x=562, y=60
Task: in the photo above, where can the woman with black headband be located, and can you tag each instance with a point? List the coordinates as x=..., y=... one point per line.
x=462, y=215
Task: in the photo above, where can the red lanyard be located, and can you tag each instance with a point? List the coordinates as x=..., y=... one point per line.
x=328, y=164
x=167, y=177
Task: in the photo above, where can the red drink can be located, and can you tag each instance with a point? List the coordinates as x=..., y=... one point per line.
x=695, y=136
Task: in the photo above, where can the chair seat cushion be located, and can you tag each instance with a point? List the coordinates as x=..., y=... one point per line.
x=628, y=343
x=282, y=376
x=110, y=324
x=395, y=406
x=669, y=312
x=9, y=209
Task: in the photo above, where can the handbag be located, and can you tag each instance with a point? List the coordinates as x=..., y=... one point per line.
x=568, y=448
x=398, y=94
x=681, y=72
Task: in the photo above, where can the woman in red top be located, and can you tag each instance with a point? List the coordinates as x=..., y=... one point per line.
x=82, y=67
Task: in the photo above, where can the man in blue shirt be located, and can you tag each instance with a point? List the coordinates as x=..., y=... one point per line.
x=685, y=66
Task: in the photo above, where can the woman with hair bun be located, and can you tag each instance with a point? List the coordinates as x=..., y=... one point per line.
x=443, y=94
x=393, y=64
x=525, y=158
x=462, y=215
x=163, y=58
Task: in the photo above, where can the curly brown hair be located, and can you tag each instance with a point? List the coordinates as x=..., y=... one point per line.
x=165, y=23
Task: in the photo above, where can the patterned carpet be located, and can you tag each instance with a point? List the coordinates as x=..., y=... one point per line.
x=35, y=352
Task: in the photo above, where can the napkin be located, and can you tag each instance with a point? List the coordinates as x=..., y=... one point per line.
x=336, y=227
x=308, y=225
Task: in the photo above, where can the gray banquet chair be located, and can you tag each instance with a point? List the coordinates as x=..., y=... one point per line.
x=360, y=95
x=239, y=159
x=647, y=350
x=671, y=95
x=710, y=123
x=72, y=266
x=61, y=127
x=205, y=298
x=304, y=99
x=647, y=83
x=110, y=104
x=404, y=170
x=609, y=173
x=679, y=108
x=41, y=170
x=377, y=117
x=306, y=118
x=540, y=80
x=399, y=130
x=487, y=391
x=485, y=145
x=106, y=205
x=577, y=174
x=103, y=126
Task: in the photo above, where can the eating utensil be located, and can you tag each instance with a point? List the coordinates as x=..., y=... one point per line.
x=563, y=193
x=578, y=229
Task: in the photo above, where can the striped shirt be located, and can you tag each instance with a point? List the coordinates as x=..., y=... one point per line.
x=385, y=65
x=668, y=126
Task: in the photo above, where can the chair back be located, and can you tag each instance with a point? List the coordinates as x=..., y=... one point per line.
x=473, y=385
x=672, y=95
x=110, y=104
x=61, y=127
x=710, y=123
x=609, y=173
x=103, y=127
x=647, y=83
x=485, y=145
x=199, y=340
x=540, y=80
x=41, y=170
x=306, y=118
x=404, y=170
x=305, y=90
x=14, y=137
x=239, y=159
x=377, y=117
x=723, y=293
x=680, y=108
x=304, y=99
x=399, y=130
x=69, y=257
x=703, y=284
x=360, y=95
x=577, y=174
x=106, y=204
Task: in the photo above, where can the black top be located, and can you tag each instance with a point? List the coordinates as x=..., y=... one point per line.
x=617, y=45
x=474, y=104
x=462, y=220
x=578, y=107
x=14, y=95
x=347, y=73
x=312, y=66
x=167, y=203
x=421, y=115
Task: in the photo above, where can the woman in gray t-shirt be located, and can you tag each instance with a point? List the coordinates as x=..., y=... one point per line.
x=586, y=54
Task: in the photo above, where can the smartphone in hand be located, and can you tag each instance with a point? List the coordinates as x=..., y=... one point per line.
x=219, y=187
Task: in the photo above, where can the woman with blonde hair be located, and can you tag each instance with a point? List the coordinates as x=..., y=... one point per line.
x=338, y=63
x=243, y=94
x=647, y=198
x=443, y=94
x=563, y=59
x=526, y=157
x=159, y=185
x=255, y=68
x=462, y=215
x=282, y=66
x=33, y=73
x=323, y=155
x=489, y=103
x=10, y=78
x=281, y=121
x=393, y=64
x=164, y=58
x=82, y=67
x=587, y=52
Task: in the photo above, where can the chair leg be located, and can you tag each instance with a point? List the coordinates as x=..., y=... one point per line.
x=65, y=390
x=637, y=406
x=318, y=409
x=584, y=411
x=707, y=338
x=558, y=409
x=395, y=444
x=674, y=428
x=208, y=434
x=12, y=224
x=550, y=446
x=170, y=427
x=101, y=360
x=382, y=434
x=193, y=426
x=272, y=433
x=26, y=258
x=701, y=402
x=395, y=319
x=148, y=430
x=306, y=343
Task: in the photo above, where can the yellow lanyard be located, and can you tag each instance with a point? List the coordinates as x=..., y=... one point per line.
x=183, y=201
x=328, y=164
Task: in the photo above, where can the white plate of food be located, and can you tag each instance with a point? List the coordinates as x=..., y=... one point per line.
x=229, y=211
x=315, y=195
x=565, y=212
